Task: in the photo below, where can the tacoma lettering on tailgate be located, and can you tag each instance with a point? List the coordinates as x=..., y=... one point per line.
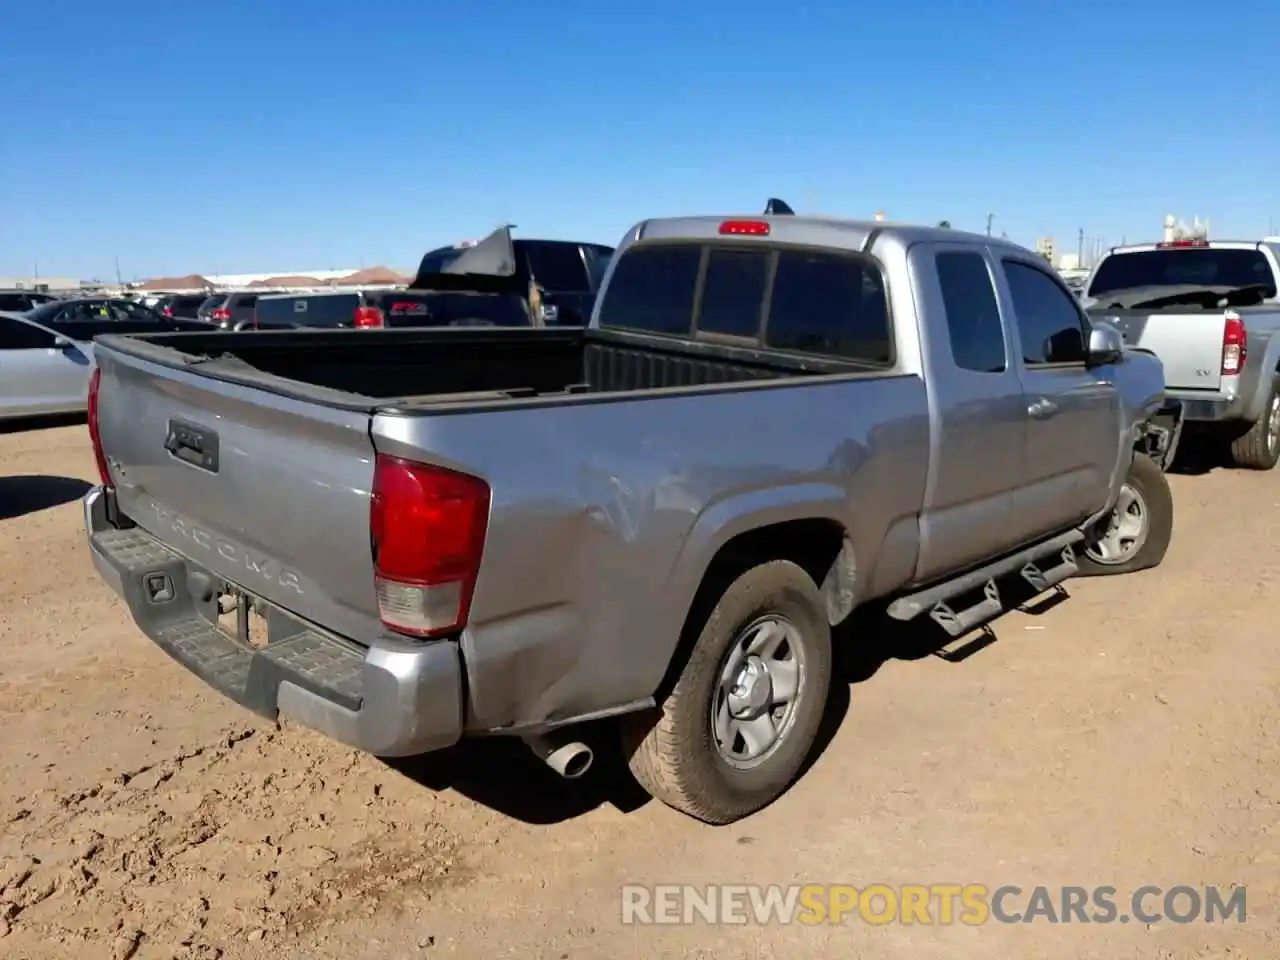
x=263, y=568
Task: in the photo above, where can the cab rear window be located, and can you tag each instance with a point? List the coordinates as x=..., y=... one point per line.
x=804, y=301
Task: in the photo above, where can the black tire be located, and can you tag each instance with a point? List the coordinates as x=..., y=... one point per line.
x=1148, y=483
x=1259, y=447
x=678, y=760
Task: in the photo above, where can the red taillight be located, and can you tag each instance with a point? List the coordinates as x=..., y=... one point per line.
x=221, y=313
x=1168, y=244
x=367, y=317
x=95, y=380
x=427, y=525
x=1235, y=344
x=745, y=228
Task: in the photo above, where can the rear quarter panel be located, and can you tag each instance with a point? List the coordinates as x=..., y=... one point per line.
x=606, y=514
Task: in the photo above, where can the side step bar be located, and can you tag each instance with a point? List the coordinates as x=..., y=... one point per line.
x=1028, y=563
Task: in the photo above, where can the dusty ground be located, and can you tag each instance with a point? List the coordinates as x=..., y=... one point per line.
x=1130, y=735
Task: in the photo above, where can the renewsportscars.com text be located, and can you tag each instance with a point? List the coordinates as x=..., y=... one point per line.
x=930, y=904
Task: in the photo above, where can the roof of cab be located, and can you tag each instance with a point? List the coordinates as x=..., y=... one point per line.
x=809, y=230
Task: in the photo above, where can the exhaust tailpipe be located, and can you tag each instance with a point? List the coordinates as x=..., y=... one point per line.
x=569, y=759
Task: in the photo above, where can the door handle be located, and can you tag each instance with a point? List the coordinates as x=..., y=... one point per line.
x=1042, y=408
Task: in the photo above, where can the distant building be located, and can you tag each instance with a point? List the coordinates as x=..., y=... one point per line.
x=245, y=279
x=41, y=284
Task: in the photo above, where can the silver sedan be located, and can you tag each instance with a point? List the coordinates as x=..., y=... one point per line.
x=41, y=371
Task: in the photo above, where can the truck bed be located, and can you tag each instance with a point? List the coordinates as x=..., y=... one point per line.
x=409, y=368
x=253, y=454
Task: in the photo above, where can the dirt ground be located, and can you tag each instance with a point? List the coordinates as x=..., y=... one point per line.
x=1127, y=736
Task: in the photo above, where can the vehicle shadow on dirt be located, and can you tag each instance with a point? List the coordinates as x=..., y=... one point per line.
x=29, y=494
x=1200, y=453
x=503, y=774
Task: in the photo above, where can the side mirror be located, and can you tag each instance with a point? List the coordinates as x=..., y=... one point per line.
x=62, y=343
x=1106, y=345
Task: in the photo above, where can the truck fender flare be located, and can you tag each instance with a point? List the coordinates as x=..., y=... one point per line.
x=1268, y=368
x=749, y=510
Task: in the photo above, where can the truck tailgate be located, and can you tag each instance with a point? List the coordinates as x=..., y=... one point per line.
x=268, y=492
x=1188, y=344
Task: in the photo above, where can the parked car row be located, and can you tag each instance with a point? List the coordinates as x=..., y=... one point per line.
x=497, y=281
x=650, y=523
x=47, y=353
x=46, y=343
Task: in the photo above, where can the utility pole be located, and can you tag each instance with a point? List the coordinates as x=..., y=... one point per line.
x=990, y=217
x=1080, y=248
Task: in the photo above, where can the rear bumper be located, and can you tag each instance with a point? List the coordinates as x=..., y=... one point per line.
x=395, y=698
x=1197, y=405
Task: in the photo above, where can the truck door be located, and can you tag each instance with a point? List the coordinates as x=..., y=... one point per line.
x=977, y=463
x=1072, y=413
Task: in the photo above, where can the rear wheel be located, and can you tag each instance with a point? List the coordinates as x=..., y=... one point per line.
x=1259, y=448
x=742, y=718
x=1136, y=534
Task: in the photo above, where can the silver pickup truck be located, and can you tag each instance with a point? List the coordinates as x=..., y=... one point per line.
x=1209, y=310
x=404, y=538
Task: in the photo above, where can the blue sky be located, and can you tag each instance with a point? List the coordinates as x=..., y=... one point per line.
x=244, y=136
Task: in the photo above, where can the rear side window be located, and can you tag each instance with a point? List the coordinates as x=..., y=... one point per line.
x=652, y=289
x=830, y=304
x=16, y=302
x=973, y=316
x=557, y=267
x=1049, y=323
x=733, y=292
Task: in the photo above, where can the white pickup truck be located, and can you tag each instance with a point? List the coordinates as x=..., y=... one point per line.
x=1208, y=310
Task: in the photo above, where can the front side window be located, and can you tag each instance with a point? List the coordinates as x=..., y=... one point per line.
x=1049, y=323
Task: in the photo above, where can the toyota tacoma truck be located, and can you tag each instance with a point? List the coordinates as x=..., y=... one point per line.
x=1210, y=311
x=404, y=538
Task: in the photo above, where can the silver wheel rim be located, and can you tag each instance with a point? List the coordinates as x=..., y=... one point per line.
x=1125, y=532
x=760, y=685
x=1273, y=423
